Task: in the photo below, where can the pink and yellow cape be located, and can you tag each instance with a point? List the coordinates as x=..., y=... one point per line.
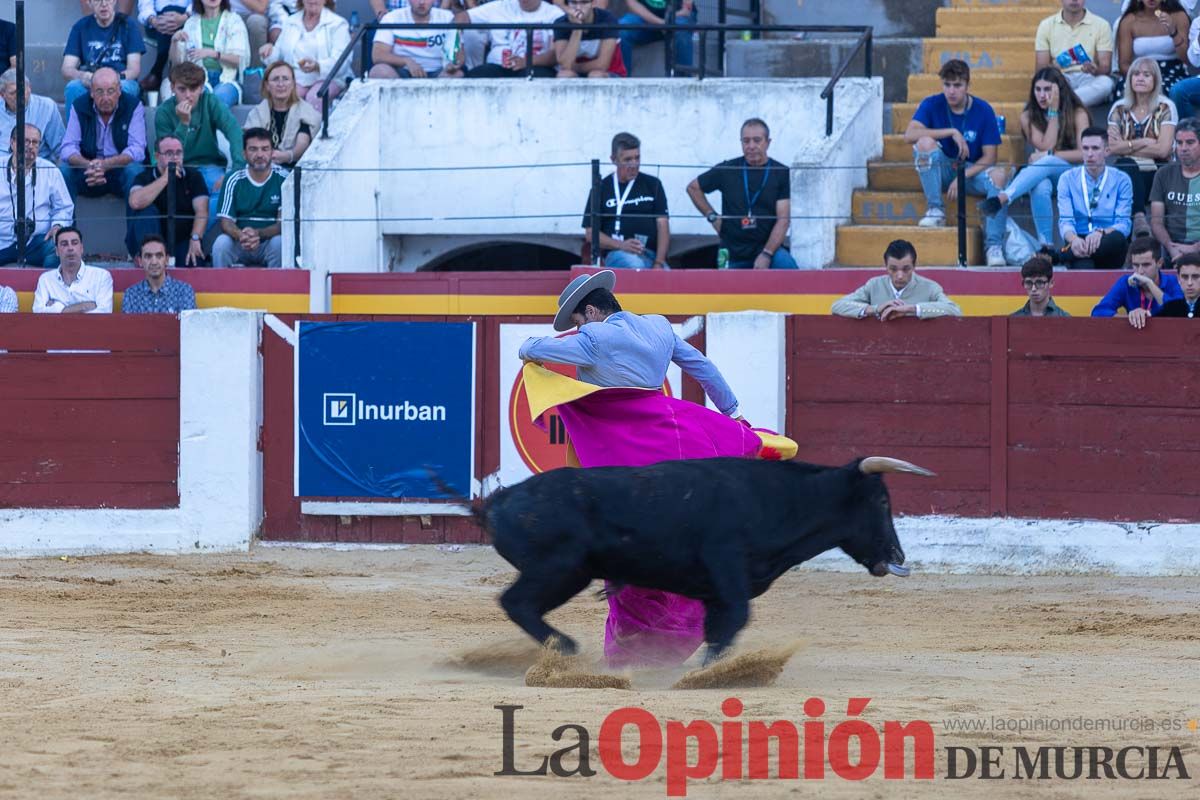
x=631, y=427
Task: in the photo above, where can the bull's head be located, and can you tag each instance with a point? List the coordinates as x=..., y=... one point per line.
x=873, y=541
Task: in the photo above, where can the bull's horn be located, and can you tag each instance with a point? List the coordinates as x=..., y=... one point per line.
x=897, y=570
x=881, y=464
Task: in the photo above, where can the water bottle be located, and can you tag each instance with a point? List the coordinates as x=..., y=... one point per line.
x=353, y=21
x=723, y=258
x=1001, y=123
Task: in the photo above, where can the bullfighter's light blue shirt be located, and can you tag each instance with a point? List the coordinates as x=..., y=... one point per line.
x=627, y=349
x=1113, y=207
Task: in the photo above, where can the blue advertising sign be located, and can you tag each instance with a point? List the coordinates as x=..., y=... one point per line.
x=384, y=407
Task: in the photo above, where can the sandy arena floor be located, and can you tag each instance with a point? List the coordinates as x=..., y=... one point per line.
x=323, y=674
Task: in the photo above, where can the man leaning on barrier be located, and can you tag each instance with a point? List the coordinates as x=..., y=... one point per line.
x=640, y=238
x=900, y=293
x=48, y=205
x=1142, y=293
x=74, y=287
x=756, y=203
x=158, y=292
x=1037, y=276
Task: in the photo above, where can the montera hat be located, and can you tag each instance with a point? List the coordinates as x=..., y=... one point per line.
x=578, y=289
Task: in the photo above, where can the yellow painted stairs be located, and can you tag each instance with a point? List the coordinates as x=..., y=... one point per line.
x=995, y=37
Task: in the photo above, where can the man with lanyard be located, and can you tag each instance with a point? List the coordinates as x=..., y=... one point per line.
x=640, y=239
x=1175, y=195
x=1094, y=206
x=1189, y=278
x=756, y=203
x=48, y=205
x=1142, y=293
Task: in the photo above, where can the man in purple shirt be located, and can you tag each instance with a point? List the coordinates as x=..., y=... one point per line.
x=105, y=144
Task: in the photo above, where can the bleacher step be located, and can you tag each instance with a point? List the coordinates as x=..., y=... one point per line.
x=900, y=208
x=1052, y=5
x=1011, y=150
x=1011, y=54
x=989, y=22
x=902, y=114
x=995, y=87
x=863, y=245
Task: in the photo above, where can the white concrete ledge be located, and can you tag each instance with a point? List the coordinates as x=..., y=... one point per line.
x=355, y=509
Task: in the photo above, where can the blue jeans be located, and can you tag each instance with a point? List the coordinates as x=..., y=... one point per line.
x=936, y=171
x=116, y=181
x=1038, y=181
x=38, y=253
x=1186, y=96
x=631, y=38
x=75, y=90
x=227, y=93
x=211, y=175
x=619, y=259
x=781, y=260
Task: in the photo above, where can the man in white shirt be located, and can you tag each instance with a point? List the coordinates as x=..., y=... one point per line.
x=41, y=112
x=48, y=205
x=73, y=288
x=416, y=53
x=8, y=300
x=506, y=57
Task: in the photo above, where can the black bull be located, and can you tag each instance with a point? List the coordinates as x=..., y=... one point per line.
x=719, y=530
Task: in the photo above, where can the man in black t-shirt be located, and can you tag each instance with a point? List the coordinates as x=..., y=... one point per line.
x=588, y=52
x=147, y=212
x=756, y=203
x=634, y=233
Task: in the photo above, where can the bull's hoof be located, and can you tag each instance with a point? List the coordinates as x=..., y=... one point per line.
x=712, y=656
x=564, y=645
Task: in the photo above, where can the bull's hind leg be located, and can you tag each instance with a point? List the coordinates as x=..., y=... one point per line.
x=529, y=599
x=727, y=613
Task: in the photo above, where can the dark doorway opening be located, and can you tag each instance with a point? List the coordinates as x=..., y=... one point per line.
x=504, y=257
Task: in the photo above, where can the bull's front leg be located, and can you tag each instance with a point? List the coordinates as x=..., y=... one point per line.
x=529, y=599
x=722, y=622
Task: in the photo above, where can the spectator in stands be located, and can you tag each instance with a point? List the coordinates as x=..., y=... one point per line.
x=1154, y=29
x=41, y=112
x=1143, y=292
x=900, y=293
x=1185, y=94
x=277, y=12
x=105, y=142
x=1141, y=126
x=1094, y=203
x=74, y=287
x=215, y=38
x=8, y=44
x=956, y=126
x=1081, y=44
x=312, y=40
x=126, y=7
x=1051, y=123
x=417, y=53
x=654, y=12
x=292, y=124
x=756, y=203
x=1189, y=280
x=103, y=39
x=255, y=15
x=161, y=19
x=589, y=52
x=8, y=301
x=381, y=7
x=634, y=228
x=147, y=214
x=250, y=203
x=1175, y=195
x=48, y=205
x=158, y=292
x=193, y=116
x=1037, y=276
x=506, y=48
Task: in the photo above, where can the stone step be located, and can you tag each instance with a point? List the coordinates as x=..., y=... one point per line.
x=980, y=21
x=1013, y=54
x=899, y=208
x=995, y=87
x=1052, y=5
x=863, y=245
x=902, y=114
x=1012, y=149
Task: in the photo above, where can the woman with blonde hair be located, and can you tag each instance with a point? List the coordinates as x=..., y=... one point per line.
x=311, y=41
x=292, y=123
x=1141, y=133
x=215, y=37
x=1053, y=119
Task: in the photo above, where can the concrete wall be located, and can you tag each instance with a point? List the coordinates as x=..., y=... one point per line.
x=449, y=175
x=220, y=468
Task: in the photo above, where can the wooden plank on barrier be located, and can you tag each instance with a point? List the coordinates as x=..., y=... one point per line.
x=1107, y=466
x=1109, y=339
x=917, y=424
x=902, y=379
x=89, y=495
x=957, y=468
x=1104, y=381
x=1132, y=506
x=1071, y=427
x=998, y=419
x=92, y=375
x=836, y=338
x=120, y=333
x=95, y=420
x=58, y=462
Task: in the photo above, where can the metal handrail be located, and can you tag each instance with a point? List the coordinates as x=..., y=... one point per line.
x=864, y=41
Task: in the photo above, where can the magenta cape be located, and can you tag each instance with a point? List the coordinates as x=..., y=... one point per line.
x=634, y=427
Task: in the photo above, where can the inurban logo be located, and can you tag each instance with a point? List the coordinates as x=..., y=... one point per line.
x=340, y=408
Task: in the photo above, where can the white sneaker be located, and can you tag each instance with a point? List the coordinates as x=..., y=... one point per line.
x=995, y=257
x=934, y=218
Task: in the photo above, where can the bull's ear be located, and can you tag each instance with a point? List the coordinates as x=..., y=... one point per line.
x=881, y=464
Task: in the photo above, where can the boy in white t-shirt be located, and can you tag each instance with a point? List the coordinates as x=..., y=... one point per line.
x=416, y=52
x=506, y=48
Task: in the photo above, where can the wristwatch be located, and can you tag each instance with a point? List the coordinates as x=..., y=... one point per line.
x=711, y=216
x=195, y=237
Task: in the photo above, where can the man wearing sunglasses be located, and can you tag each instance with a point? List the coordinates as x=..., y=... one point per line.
x=1095, y=203
x=1037, y=276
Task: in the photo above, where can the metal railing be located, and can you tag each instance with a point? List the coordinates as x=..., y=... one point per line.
x=863, y=43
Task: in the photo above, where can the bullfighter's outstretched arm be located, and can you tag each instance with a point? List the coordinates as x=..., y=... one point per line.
x=579, y=350
x=696, y=364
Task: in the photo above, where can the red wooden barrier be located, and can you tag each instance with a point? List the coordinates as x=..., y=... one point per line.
x=89, y=429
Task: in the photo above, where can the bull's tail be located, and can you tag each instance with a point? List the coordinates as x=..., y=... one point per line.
x=477, y=507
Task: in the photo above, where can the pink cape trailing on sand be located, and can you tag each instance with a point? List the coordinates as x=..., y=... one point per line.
x=634, y=427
